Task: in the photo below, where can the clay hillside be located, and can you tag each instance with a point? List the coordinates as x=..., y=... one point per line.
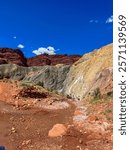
x=56, y=102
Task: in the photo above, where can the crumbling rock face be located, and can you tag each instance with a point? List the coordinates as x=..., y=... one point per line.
x=92, y=71
x=50, y=77
x=103, y=82
x=12, y=71
x=12, y=56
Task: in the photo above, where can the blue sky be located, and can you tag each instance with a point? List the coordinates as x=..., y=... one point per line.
x=58, y=26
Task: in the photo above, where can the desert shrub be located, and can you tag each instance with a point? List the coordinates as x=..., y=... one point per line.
x=31, y=92
x=69, y=97
x=107, y=113
x=110, y=94
x=97, y=94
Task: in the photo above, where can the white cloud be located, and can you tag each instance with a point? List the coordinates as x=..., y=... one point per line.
x=20, y=46
x=42, y=50
x=14, y=37
x=109, y=20
x=96, y=21
x=93, y=21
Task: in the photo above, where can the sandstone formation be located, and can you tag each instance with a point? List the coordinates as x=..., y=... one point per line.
x=12, y=56
x=45, y=59
x=15, y=56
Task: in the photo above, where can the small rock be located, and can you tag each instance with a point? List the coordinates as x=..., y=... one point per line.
x=26, y=142
x=77, y=112
x=69, y=126
x=26, y=128
x=16, y=104
x=61, y=146
x=17, y=97
x=50, y=102
x=22, y=119
x=13, y=130
x=78, y=147
x=79, y=119
x=31, y=146
x=11, y=118
x=35, y=101
x=106, y=125
x=57, y=130
x=86, y=149
x=80, y=141
x=92, y=118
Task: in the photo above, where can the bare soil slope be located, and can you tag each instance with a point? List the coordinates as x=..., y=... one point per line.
x=26, y=121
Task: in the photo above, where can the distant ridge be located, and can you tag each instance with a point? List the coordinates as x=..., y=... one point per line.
x=16, y=56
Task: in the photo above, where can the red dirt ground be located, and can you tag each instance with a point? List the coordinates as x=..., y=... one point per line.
x=25, y=122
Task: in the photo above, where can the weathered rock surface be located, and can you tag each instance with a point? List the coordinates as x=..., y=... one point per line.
x=12, y=56
x=12, y=71
x=45, y=59
x=15, y=56
x=90, y=76
x=50, y=77
x=93, y=71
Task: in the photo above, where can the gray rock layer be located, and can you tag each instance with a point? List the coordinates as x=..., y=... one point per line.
x=50, y=77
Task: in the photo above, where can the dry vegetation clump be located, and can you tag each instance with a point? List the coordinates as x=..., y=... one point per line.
x=32, y=92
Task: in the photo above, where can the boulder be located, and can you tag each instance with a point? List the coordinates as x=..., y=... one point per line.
x=57, y=130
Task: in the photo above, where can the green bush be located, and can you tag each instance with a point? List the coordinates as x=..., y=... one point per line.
x=97, y=94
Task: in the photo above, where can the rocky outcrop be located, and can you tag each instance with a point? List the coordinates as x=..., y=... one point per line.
x=92, y=74
x=12, y=56
x=50, y=77
x=12, y=71
x=45, y=59
x=15, y=56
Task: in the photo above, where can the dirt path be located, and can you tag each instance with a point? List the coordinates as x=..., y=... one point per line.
x=25, y=122
x=17, y=126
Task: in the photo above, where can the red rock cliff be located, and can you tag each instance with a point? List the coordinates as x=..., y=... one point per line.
x=45, y=59
x=13, y=56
